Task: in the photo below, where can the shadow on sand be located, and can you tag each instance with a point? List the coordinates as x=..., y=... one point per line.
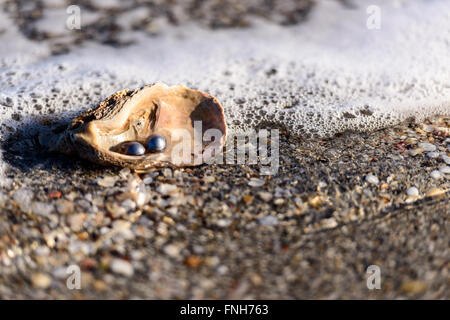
x=22, y=150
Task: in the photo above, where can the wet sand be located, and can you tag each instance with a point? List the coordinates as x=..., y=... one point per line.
x=309, y=231
x=335, y=207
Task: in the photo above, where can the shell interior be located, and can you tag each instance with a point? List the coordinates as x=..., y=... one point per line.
x=176, y=113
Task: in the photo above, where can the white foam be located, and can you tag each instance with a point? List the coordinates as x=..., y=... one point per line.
x=327, y=69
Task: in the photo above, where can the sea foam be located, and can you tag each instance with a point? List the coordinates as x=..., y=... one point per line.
x=327, y=75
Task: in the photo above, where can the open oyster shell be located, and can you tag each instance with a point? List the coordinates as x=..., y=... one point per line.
x=134, y=116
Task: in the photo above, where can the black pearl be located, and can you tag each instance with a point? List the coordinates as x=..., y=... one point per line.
x=134, y=149
x=156, y=143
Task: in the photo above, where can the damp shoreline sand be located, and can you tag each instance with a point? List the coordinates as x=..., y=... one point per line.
x=215, y=232
x=335, y=207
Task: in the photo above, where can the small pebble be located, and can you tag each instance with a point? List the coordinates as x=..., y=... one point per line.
x=128, y=204
x=147, y=179
x=41, y=280
x=428, y=128
x=316, y=201
x=121, y=225
x=76, y=221
x=172, y=250
x=209, y=179
x=42, y=208
x=427, y=146
x=42, y=251
x=122, y=267
x=3, y=198
x=435, y=192
x=167, y=172
x=107, y=182
x=116, y=210
x=54, y=194
x=446, y=159
x=372, y=179
x=23, y=198
x=255, y=182
x=265, y=196
x=435, y=174
x=432, y=154
x=64, y=206
x=165, y=188
x=222, y=270
x=413, y=287
x=445, y=170
x=172, y=211
x=248, y=199
x=193, y=261
x=268, y=221
x=329, y=223
x=223, y=223
x=322, y=185
x=278, y=201
x=412, y=192
x=124, y=173
x=415, y=152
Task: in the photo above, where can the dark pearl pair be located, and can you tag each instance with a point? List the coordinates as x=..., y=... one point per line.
x=155, y=143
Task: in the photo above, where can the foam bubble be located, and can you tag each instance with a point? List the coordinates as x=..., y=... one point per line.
x=325, y=76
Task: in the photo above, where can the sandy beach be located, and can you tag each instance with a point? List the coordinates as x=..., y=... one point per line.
x=224, y=232
x=369, y=187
